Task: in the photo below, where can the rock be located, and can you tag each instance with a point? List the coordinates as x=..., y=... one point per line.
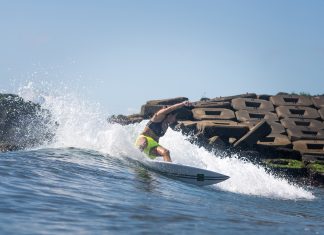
x=292, y=168
x=23, y=124
x=310, y=159
x=316, y=172
x=288, y=153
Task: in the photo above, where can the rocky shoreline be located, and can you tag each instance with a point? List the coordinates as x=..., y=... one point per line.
x=284, y=133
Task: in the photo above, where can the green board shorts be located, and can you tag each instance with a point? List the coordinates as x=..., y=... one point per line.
x=151, y=143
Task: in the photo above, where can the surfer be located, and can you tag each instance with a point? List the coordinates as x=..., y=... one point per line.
x=148, y=141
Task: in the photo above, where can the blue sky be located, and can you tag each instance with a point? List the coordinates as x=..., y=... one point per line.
x=123, y=53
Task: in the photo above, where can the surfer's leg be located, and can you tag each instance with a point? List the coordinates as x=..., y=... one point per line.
x=161, y=151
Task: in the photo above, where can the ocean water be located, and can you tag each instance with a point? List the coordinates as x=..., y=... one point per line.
x=84, y=183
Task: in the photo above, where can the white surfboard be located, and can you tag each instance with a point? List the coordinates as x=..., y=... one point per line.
x=188, y=174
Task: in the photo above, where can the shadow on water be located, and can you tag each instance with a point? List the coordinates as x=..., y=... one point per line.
x=144, y=181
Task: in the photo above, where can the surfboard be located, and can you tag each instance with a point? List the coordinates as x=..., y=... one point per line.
x=188, y=174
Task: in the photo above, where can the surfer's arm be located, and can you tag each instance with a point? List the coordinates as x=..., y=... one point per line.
x=163, y=112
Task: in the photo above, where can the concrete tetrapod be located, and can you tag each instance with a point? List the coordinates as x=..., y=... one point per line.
x=291, y=100
x=252, y=104
x=213, y=114
x=318, y=101
x=297, y=112
x=256, y=133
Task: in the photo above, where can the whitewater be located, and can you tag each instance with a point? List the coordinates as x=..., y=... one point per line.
x=84, y=180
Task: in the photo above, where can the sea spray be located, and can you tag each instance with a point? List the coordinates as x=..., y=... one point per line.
x=246, y=177
x=83, y=125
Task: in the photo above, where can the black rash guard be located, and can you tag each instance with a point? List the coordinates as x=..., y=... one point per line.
x=157, y=128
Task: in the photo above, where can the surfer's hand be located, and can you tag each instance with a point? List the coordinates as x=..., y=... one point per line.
x=187, y=103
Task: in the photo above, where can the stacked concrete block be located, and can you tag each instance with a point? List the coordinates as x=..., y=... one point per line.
x=289, y=118
x=225, y=129
x=302, y=124
x=252, y=104
x=318, y=101
x=252, y=112
x=291, y=100
x=315, y=147
x=213, y=114
x=274, y=141
x=321, y=113
x=212, y=104
x=239, y=127
x=300, y=112
x=255, y=115
x=303, y=120
x=256, y=133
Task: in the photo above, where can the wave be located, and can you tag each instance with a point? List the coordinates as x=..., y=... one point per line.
x=82, y=124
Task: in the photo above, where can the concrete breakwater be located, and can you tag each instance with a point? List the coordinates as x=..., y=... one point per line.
x=283, y=132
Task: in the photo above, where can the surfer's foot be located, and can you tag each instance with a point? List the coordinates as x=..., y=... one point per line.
x=167, y=158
